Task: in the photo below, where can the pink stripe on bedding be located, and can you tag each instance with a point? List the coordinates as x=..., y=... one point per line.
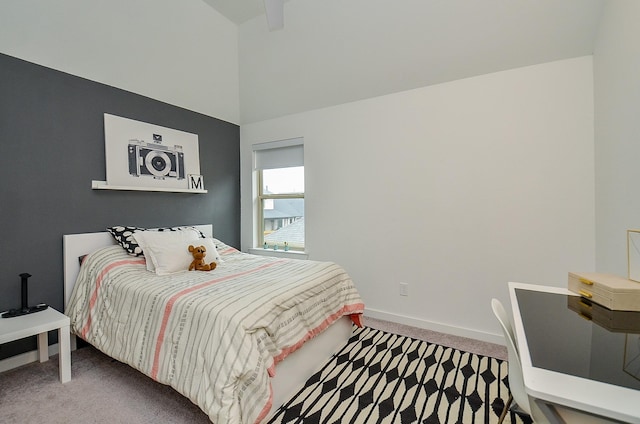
x=169, y=307
x=345, y=310
x=94, y=293
x=267, y=407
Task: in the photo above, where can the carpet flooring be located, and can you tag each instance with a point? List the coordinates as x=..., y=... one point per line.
x=103, y=390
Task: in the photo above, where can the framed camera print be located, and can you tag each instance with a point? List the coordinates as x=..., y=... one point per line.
x=142, y=155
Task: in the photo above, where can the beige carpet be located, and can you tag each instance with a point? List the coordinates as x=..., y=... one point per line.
x=103, y=390
x=460, y=343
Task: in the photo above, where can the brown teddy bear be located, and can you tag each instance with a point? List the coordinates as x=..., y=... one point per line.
x=198, y=262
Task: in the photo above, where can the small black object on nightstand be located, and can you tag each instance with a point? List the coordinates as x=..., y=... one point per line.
x=26, y=309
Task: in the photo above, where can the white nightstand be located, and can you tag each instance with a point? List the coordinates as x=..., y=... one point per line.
x=41, y=323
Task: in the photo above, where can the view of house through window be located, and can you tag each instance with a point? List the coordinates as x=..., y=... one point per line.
x=281, y=200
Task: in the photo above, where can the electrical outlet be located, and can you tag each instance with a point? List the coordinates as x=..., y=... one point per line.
x=404, y=289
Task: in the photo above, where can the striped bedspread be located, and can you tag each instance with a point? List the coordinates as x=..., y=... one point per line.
x=213, y=336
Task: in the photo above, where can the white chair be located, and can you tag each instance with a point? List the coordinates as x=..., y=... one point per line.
x=516, y=379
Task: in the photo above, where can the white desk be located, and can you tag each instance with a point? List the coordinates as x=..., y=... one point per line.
x=571, y=361
x=40, y=323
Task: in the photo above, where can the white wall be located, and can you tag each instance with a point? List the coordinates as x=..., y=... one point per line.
x=184, y=53
x=455, y=189
x=617, y=132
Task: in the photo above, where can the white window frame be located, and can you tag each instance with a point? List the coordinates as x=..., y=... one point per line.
x=262, y=197
x=274, y=155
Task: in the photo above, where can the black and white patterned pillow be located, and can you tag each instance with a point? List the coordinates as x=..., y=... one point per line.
x=202, y=235
x=124, y=236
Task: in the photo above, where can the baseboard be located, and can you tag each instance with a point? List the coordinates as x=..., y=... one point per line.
x=25, y=358
x=435, y=326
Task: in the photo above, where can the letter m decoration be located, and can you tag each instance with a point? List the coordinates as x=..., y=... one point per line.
x=196, y=182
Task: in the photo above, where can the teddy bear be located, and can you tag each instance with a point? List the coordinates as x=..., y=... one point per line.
x=198, y=263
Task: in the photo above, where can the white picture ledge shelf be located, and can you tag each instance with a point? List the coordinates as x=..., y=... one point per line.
x=102, y=185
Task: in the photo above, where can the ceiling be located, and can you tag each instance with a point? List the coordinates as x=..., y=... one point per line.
x=238, y=11
x=336, y=51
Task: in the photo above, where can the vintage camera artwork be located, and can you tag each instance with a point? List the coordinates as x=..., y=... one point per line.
x=155, y=160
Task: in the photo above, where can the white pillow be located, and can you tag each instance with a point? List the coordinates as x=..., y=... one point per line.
x=167, y=252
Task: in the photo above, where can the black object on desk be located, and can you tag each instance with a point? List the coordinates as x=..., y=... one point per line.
x=26, y=309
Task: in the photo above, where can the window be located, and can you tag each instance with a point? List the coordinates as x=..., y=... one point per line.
x=280, y=204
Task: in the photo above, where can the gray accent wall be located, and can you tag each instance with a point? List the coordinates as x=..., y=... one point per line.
x=52, y=147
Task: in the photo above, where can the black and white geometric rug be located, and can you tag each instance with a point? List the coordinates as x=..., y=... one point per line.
x=380, y=377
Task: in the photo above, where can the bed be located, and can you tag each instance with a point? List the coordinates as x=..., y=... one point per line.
x=236, y=340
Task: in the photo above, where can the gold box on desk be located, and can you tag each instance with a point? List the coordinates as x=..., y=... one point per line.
x=610, y=291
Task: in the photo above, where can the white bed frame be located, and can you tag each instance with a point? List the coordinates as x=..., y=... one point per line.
x=290, y=373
